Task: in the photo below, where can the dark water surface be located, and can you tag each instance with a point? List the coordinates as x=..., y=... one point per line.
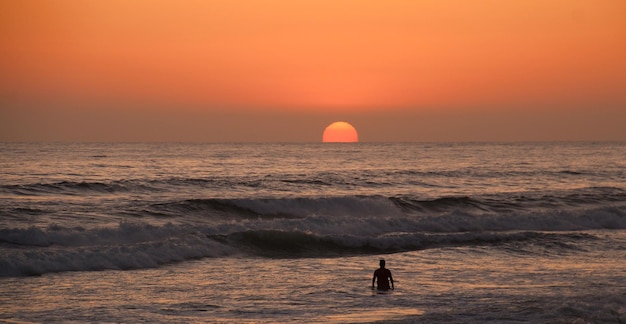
x=292, y=232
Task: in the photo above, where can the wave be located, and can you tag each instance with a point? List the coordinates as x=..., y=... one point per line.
x=308, y=227
x=118, y=186
x=590, y=208
x=75, y=188
x=277, y=208
x=32, y=251
x=586, y=208
x=491, y=173
x=273, y=243
x=136, y=245
x=520, y=201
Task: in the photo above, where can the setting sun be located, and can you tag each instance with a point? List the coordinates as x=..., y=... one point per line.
x=340, y=132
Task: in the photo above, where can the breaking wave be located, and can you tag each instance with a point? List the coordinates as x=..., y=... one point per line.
x=137, y=246
x=309, y=227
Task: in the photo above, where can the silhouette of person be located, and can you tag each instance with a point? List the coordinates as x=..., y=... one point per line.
x=383, y=277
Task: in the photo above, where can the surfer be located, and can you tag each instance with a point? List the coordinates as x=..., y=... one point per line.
x=383, y=277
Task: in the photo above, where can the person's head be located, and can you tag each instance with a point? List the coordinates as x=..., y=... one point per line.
x=382, y=263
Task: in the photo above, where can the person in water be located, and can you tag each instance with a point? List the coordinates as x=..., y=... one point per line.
x=383, y=277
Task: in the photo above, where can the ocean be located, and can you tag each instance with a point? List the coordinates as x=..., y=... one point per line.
x=247, y=233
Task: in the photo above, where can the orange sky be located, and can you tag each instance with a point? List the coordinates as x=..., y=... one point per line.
x=248, y=70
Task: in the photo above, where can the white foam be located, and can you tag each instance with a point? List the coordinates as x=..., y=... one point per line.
x=351, y=222
x=102, y=249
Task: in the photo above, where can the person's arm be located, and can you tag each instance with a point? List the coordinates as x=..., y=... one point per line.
x=391, y=279
x=373, y=279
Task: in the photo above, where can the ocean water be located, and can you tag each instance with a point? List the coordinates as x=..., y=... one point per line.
x=172, y=233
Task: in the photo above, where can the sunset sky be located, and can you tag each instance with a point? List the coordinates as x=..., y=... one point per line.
x=283, y=70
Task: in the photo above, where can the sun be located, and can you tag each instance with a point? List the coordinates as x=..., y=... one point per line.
x=340, y=132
